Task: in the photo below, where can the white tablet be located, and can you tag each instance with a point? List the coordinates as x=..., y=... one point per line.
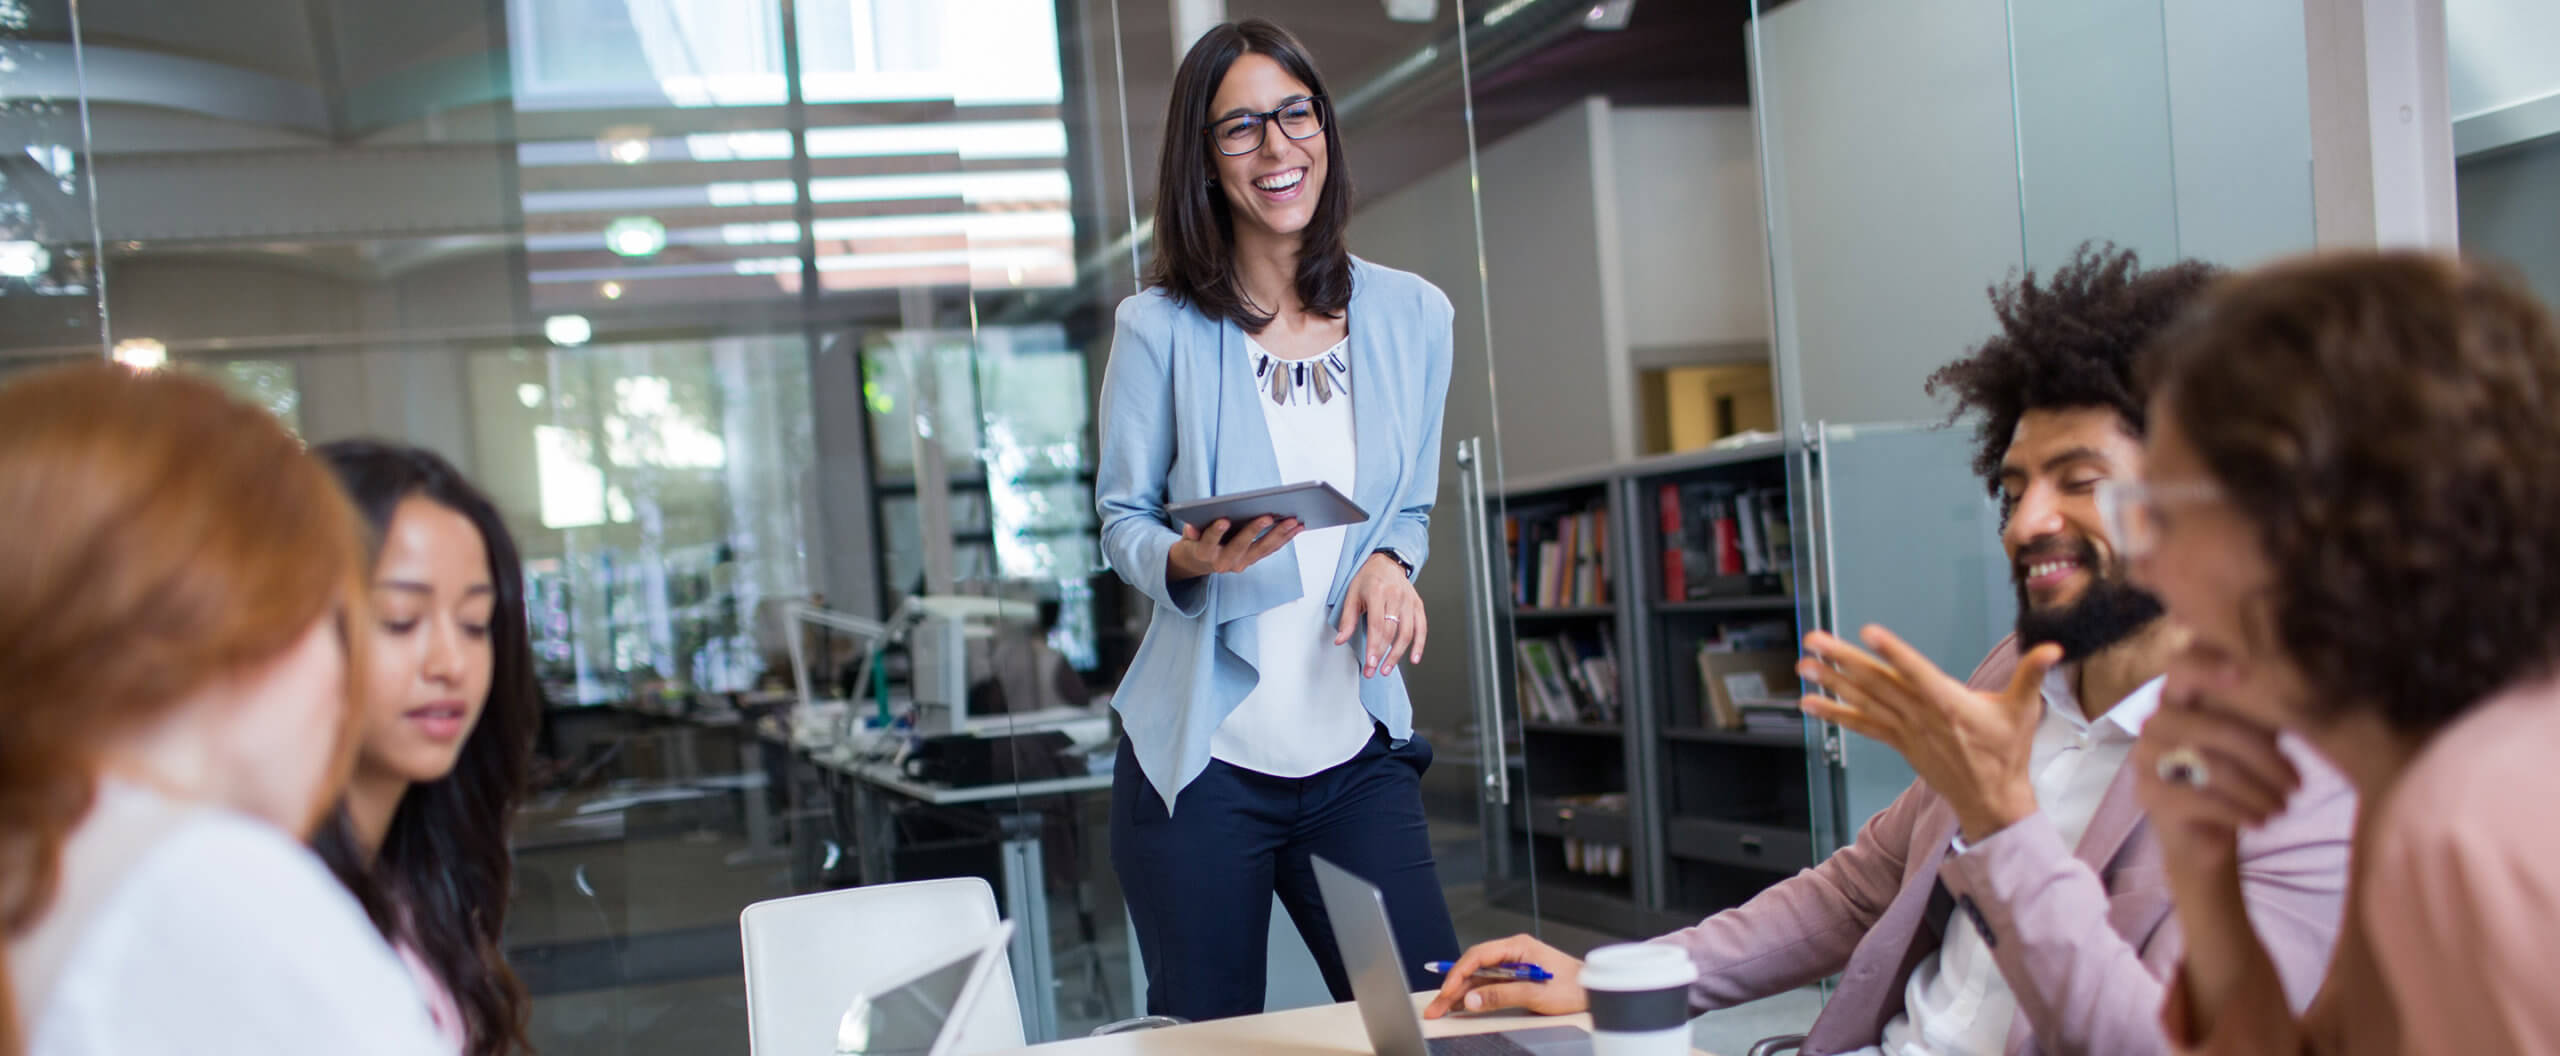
x=1314, y=503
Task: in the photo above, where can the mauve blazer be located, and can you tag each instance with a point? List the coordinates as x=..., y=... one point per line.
x=2085, y=936
x=1180, y=422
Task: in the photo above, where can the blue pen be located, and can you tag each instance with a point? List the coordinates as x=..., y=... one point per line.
x=1513, y=972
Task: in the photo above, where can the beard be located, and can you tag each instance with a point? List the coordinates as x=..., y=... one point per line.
x=2111, y=610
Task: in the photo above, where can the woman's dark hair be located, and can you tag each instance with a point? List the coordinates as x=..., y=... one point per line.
x=1195, y=233
x=441, y=881
x=2390, y=423
x=2065, y=343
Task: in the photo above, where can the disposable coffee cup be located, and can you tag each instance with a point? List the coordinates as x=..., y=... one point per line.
x=1639, y=999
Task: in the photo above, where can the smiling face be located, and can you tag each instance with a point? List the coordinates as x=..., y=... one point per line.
x=1273, y=189
x=2206, y=564
x=433, y=602
x=2072, y=588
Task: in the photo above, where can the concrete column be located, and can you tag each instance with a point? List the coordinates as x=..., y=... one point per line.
x=2381, y=123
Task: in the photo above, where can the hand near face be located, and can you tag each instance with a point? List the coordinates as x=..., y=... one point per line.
x=1971, y=747
x=2246, y=780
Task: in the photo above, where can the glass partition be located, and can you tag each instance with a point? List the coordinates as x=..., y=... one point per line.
x=1914, y=157
x=52, y=284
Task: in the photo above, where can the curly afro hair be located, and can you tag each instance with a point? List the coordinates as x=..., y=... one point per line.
x=2070, y=341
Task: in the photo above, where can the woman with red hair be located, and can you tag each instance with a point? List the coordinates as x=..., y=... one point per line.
x=175, y=595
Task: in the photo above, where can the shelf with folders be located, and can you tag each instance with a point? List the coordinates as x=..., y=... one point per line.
x=1730, y=767
x=1645, y=736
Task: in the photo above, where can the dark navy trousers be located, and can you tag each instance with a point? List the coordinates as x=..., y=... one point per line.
x=1199, y=883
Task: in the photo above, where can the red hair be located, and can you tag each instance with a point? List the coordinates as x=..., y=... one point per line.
x=162, y=536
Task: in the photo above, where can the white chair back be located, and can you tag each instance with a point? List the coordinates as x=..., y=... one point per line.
x=807, y=957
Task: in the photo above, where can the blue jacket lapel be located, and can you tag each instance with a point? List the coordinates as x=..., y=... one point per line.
x=1373, y=408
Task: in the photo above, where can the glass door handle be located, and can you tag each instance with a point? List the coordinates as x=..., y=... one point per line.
x=1484, y=642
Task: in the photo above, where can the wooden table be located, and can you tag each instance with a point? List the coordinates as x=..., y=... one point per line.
x=1325, y=1030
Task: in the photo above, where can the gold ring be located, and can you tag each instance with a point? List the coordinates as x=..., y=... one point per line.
x=2184, y=765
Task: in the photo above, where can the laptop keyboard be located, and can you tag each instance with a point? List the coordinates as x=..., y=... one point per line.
x=1478, y=1045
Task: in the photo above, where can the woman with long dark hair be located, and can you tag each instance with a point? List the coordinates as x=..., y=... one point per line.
x=445, y=740
x=1266, y=714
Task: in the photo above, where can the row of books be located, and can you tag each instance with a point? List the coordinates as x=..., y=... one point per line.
x=1560, y=557
x=1719, y=539
x=1565, y=680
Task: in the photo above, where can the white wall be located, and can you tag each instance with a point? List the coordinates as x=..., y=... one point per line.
x=2500, y=53
x=1893, y=180
x=1689, y=232
x=2175, y=128
x=1911, y=168
x=2240, y=129
x=1562, y=382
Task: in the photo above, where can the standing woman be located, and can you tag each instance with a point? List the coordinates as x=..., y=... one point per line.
x=446, y=738
x=179, y=596
x=1266, y=713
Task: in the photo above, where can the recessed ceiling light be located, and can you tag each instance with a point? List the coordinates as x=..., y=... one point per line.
x=142, y=353
x=566, y=331
x=23, y=260
x=635, y=236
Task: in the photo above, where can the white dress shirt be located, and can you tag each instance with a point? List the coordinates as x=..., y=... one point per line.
x=1957, y=1003
x=1304, y=715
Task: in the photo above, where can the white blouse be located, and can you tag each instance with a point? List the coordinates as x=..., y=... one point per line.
x=1304, y=715
x=213, y=935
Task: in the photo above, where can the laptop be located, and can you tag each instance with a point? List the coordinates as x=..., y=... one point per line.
x=925, y=1012
x=1369, y=957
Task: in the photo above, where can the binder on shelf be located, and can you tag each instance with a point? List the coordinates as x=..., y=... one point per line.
x=1720, y=540
x=1544, y=672
x=1675, y=573
x=1560, y=556
x=1730, y=679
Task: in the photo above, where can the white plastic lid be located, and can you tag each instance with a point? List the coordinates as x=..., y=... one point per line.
x=1638, y=966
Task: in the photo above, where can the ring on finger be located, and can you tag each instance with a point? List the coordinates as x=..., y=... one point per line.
x=1390, y=619
x=2184, y=765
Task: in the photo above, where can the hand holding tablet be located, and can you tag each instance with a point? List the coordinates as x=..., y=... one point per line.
x=1313, y=504
x=1231, y=533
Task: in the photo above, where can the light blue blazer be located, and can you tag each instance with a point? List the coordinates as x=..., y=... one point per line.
x=1180, y=421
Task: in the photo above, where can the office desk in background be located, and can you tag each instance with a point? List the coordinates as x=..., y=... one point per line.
x=874, y=785
x=1325, y=1030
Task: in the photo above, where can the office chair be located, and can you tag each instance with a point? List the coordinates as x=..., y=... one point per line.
x=808, y=955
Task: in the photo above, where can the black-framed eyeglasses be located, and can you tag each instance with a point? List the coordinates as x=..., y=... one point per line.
x=1243, y=134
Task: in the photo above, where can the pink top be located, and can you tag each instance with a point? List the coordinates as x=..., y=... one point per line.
x=2456, y=900
x=440, y=1005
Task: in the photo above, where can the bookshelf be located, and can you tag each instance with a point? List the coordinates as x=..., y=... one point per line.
x=1618, y=724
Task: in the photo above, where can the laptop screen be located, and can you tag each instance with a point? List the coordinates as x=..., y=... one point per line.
x=905, y=1021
